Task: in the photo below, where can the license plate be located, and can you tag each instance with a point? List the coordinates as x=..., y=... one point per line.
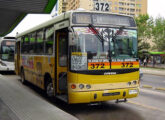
x=133, y=92
x=111, y=94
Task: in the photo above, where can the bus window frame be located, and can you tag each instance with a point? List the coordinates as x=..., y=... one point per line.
x=23, y=51
x=45, y=40
x=31, y=34
x=37, y=43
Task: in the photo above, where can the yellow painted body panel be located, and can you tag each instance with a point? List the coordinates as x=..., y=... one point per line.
x=35, y=68
x=100, y=79
x=88, y=96
x=99, y=85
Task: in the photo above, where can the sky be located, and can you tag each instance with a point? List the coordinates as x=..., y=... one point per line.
x=155, y=8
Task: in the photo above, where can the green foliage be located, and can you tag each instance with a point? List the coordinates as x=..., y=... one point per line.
x=159, y=34
x=150, y=29
x=145, y=25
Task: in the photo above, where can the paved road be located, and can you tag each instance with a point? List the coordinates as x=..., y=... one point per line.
x=149, y=105
x=155, y=81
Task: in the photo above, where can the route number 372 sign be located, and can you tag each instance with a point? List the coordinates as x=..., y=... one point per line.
x=101, y=6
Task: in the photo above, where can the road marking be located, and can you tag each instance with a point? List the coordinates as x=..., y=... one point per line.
x=160, y=89
x=152, y=92
x=156, y=88
x=146, y=86
x=146, y=106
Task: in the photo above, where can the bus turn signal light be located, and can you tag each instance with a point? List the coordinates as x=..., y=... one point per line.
x=73, y=86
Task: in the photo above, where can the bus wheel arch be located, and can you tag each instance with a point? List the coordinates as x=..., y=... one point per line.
x=48, y=85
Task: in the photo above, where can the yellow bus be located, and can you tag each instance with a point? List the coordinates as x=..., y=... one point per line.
x=81, y=57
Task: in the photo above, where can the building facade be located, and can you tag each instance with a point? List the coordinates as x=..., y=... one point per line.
x=128, y=7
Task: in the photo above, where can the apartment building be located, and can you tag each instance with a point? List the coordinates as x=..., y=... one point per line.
x=128, y=7
x=60, y=7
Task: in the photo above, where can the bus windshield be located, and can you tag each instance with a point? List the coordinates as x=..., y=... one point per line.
x=7, y=50
x=89, y=48
x=124, y=47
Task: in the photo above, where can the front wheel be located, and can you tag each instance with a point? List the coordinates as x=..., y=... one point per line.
x=23, y=77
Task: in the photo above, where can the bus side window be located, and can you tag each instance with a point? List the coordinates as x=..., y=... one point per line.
x=49, y=37
x=62, y=51
x=25, y=44
x=39, y=43
x=22, y=45
x=32, y=43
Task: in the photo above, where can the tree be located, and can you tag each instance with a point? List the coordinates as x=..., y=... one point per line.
x=145, y=25
x=159, y=34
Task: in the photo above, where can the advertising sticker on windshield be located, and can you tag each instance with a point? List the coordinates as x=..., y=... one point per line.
x=78, y=61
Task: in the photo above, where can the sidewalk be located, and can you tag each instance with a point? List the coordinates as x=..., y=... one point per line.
x=17, y=103
x=156, y=65
x=153, y=71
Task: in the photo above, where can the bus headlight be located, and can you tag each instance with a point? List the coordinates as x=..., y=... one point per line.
x=88, y=86
x=3, y=64
x=134, y=82
x=129, y=83
x=81, y=86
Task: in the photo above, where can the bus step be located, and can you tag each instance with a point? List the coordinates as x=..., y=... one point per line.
x=121, y=100
x=63, y=97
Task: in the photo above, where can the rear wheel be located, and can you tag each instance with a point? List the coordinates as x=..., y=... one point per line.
x=23, y=77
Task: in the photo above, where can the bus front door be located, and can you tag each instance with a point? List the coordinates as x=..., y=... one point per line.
x=61, y=63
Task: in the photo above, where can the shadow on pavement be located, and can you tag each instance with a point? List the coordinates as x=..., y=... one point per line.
x=7, y=72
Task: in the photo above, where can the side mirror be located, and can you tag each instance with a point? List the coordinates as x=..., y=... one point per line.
x=72, y=38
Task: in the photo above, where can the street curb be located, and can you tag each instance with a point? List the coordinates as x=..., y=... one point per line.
x=146, y=86
x=163, y=89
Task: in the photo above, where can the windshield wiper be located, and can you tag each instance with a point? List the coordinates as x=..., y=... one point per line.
x=118, y=33
x=98, y=35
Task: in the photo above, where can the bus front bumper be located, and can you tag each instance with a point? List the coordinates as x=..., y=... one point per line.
x=104, y=95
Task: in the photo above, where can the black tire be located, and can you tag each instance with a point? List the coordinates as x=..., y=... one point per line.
x=23, y=81
x=49, y=87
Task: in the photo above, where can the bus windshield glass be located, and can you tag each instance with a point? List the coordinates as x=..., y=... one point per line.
x=7, y=50
x=88, y=48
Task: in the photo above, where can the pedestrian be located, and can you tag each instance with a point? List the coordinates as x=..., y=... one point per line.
x=154, y=62
x=145, y=62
